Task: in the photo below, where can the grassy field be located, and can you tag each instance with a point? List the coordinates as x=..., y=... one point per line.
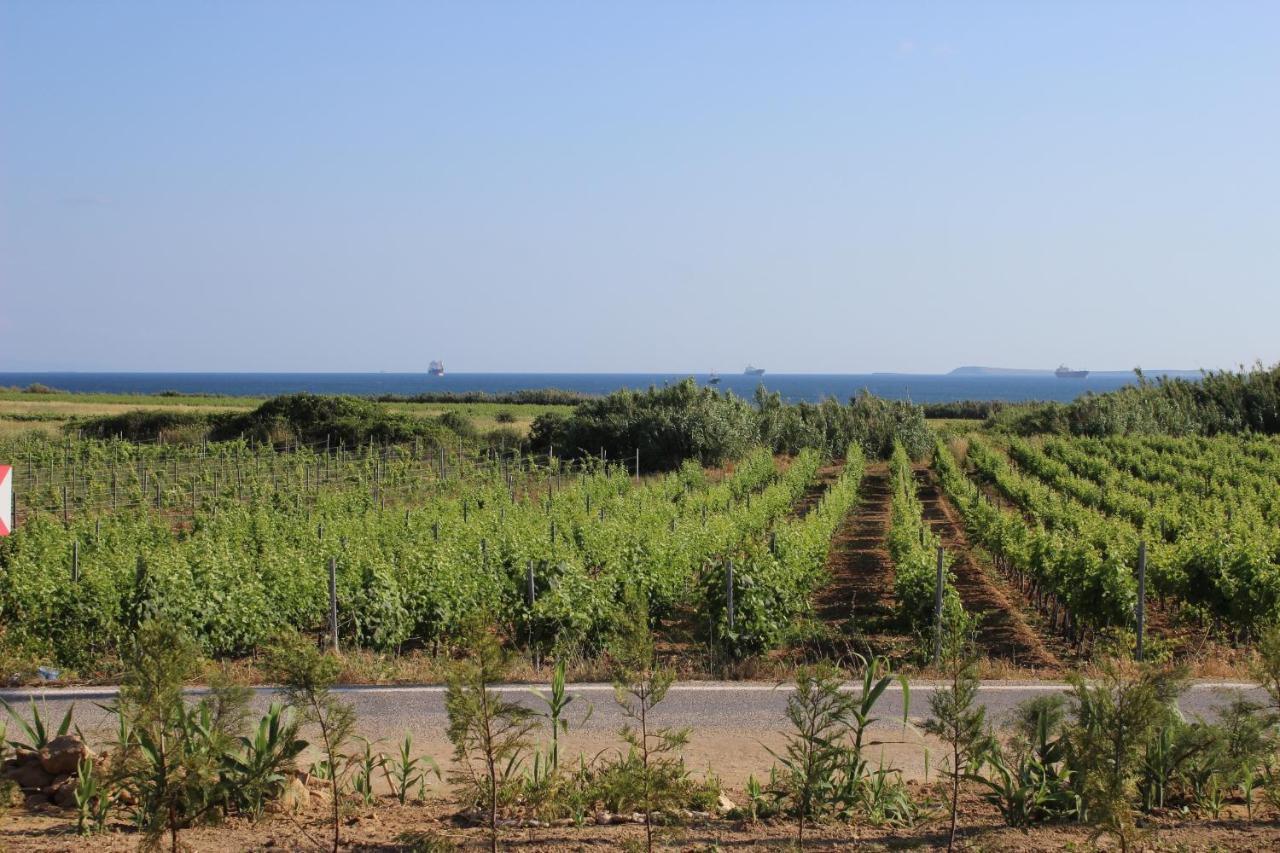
x=957, y=424
x=50, y=412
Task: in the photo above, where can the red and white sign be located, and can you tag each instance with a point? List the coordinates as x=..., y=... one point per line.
x=6, y=500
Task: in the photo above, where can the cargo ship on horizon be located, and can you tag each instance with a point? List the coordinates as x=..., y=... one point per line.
x=1064, y=372
x=753, y=371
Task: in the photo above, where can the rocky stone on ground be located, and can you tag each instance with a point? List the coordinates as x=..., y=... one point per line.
x=64, y=793
x=63, y=754
x=294, y=798
x=29, y=776
x=48, y=776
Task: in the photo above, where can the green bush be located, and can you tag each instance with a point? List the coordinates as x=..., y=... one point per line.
x=1218, y=402
x=150, y=425
x=313, y=419
x=667, y=425
x=316, y=419
x=685, y=421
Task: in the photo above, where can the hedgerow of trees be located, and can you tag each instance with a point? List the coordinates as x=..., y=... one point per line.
x=1225, y=401
x=685, y=421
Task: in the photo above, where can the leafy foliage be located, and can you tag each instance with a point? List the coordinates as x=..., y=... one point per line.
x=778, y=566
x=1247, y=400
x=668, y=425
x=685, y=421
x=1030, y=781
x=420, y=552
x=183, y=764
x=914, y=548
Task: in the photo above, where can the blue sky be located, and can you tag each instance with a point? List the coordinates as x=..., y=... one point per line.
x=812, y=187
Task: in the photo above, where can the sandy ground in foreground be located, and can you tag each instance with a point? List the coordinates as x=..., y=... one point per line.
x=389, y=826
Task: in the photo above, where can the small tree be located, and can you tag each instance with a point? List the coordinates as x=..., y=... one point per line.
x=957, y=720
x=490, y=734
x=638, y=692
x=639, y=686
x=176, y=755
x=307, y=677
x=1266, y=666
x=1115, y=718
x=1266, y=671
x=818, y=713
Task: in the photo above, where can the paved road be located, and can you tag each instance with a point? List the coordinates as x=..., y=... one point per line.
x=733, y=724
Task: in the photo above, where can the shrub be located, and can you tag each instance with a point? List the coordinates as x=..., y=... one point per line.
x=505, y=437
x=457, y=423
x=1116, y=716
x=824, y=769
x=176, y=754
x=1029, y=781
x=668, y=425
x=149, y=425
x=1247, y=400
x=316, y=419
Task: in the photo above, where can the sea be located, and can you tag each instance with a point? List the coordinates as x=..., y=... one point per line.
x=793, y=387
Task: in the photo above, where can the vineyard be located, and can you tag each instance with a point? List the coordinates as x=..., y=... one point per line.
x=1070, y=520
x=235, y=543
x=422, y=541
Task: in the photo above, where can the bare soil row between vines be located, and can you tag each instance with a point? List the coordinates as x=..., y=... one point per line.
x=859, y=601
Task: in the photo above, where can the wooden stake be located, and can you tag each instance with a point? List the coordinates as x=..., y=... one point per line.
x=1142, y=596
x=937, y=612
x=728, y=582
x=333, y=603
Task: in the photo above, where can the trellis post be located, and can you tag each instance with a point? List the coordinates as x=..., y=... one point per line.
x=1141, y=606
x=728, y=591
x=333, y=602
x=937, y=612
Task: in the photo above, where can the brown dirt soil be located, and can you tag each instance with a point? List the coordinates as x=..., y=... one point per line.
x=861, y=571
x=388, y=826
x=827, y=476
x=859, y=600
x=1003, y=631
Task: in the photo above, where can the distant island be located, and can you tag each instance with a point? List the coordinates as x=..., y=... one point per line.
x=971, y=370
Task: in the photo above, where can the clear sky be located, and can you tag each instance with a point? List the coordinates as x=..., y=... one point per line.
x=604, y=186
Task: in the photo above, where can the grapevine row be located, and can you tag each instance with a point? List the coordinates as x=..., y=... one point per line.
x=913, y=546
